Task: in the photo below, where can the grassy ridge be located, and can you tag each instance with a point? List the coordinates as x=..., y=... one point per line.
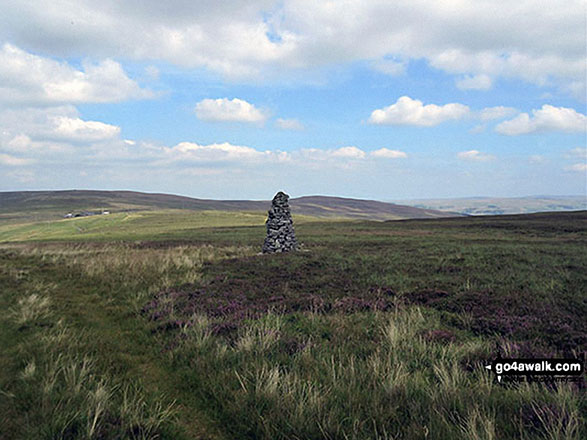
x=375, y=330
x=169, y=224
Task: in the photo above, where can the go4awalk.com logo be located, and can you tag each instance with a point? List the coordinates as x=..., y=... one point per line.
x=541, y=369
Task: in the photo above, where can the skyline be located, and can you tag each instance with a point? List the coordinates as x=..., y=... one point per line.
x=238, y=100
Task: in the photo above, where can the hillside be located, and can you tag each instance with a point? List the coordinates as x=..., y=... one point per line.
x=45, y=205
x=322, y=206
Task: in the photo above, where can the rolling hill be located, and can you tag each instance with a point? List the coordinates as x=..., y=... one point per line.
x=44, y=205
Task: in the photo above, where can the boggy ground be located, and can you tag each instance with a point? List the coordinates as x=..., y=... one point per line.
x=374, y=330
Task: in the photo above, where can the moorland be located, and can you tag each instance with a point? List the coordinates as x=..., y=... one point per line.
x=169, y=324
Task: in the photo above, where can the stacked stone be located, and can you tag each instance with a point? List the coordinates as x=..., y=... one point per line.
x=280, y=231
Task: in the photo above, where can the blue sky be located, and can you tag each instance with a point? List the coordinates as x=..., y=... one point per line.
x=239, y=99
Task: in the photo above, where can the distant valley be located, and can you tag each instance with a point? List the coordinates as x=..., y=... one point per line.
x=498, y=206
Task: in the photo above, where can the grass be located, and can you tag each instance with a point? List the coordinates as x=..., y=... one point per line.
x=373, y=331
x=125, y=225
x=140, y=225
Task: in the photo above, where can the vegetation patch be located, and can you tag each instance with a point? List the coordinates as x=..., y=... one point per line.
x=301, y=283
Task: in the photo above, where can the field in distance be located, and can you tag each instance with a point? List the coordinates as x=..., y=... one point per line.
x=146, y=325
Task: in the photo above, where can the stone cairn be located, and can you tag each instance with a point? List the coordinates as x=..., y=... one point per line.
x=280, y=231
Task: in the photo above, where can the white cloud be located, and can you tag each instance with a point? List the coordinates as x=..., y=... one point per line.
x=50, y=130
x=386, y=153
x=536, y=159
x=21, y=176
x=152, y=72
x=478, y=129
x=499, y=112
x=289, y=124
x=193, y=153
x=45, y=148
x=57, y=136
x=474, y=82
x=227, y=110
x=578, y=167
x=548, y=118
x=224, y=150
x=34, y=122
x=473, y=38
x=579, y=152
x=76, y=129
x=31, y=79
x=537, y=69
x=18, y=143
x=220, y=152
x=336, y=155
x=348, y=152
x=577, y=89
x=389, y=67
x=316, y=159
x=230, y=37
x=256, y=38
x=408, y=111
x=475, y=156
x=6, y=159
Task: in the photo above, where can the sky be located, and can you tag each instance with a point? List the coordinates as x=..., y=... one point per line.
x=375, y=99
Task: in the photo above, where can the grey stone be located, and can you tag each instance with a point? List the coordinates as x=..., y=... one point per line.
x=280, y=232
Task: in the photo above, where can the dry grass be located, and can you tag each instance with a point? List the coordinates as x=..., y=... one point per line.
x=30, y=309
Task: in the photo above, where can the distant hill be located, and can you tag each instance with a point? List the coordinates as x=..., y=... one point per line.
x=40, y=205
x=322, y=206
x=499, y=206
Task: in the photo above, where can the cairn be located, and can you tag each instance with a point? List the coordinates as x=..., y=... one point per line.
x=280, y=231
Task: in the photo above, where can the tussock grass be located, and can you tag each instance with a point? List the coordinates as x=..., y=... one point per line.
x=30, y=309
x=61, y=390
x=141, y=419
x=68, y=399
x=326, y=390
x=33, y=306
x=261, y=337
x=478, y=425
x=197, y=331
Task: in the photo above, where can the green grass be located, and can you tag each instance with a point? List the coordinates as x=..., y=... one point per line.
x=170, y=325
x=171, y=224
